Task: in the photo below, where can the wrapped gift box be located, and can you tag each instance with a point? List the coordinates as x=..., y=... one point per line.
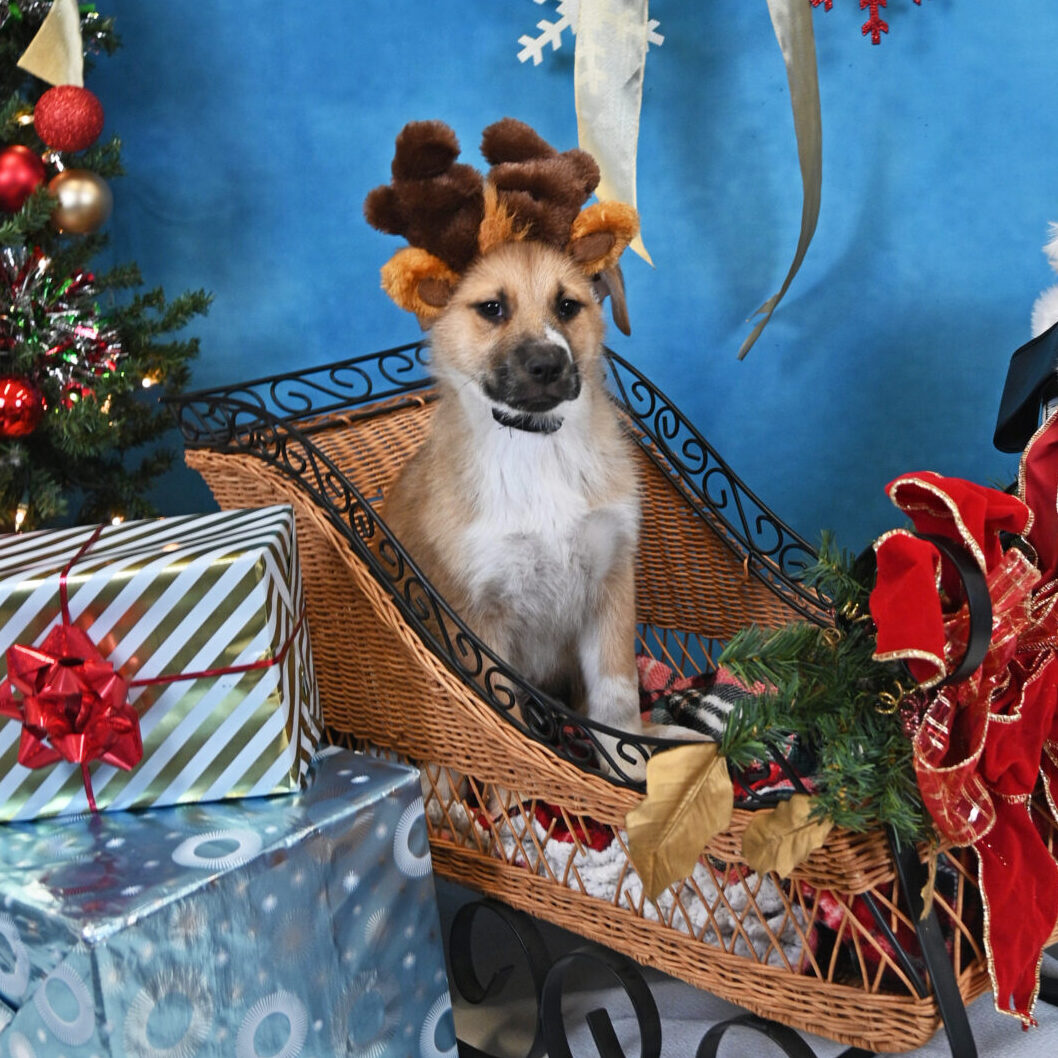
x=203, y=615
x=299, y=925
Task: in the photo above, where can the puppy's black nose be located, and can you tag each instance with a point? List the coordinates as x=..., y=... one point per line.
x=544, y=364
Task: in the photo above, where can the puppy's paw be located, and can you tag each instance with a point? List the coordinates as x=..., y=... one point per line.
x=676, y=733
x=633, y=771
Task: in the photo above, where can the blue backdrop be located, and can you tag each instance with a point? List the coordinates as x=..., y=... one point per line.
x=253, y=130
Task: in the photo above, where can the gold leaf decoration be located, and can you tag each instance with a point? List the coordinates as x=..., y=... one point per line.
x=781, y=838
x=689, y=800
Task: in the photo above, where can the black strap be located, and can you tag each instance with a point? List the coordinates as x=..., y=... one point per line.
x=911, y=875
x=1049, y=989
x=978, y=602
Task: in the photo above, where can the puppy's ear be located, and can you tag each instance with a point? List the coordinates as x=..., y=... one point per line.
x=419, y=282
x=611, y=283
x=599, y=235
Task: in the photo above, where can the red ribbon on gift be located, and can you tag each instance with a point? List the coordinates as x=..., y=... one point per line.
x=982, y=743
x=74, y=705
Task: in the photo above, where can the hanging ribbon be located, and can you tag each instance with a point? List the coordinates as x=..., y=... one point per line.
x=792, y=22
x=608, y=70
x=983, y=743
x=608, y=65
x=56, y=54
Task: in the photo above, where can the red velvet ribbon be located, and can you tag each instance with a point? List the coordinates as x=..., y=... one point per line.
x=984, y=743
x=74, y=705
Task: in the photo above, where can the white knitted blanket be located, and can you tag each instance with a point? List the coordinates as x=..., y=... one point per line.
x=608, y=875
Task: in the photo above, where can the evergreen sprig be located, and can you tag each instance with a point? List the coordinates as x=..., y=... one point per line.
x=824, y=686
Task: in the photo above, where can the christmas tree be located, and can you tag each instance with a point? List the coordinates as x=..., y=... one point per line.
x=83, y=356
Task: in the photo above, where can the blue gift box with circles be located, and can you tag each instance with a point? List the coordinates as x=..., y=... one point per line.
x=301, y=925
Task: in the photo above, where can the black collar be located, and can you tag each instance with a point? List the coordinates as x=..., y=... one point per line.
x=527, y=421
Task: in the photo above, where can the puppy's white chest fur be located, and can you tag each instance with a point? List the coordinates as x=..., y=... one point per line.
x=535, y=542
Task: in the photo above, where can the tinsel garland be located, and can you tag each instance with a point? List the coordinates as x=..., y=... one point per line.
x=50, y=327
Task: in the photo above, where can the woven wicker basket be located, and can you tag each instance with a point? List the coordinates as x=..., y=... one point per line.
x=831, y=951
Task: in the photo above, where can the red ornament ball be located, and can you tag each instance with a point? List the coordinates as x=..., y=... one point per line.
x=21, y=407
x=68, y=118
x=21, y=171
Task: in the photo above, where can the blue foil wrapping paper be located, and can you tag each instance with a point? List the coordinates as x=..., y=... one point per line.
x=300, y=925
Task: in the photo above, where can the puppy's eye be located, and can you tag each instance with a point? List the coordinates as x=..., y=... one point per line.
x=567, y=308
x=491, y=310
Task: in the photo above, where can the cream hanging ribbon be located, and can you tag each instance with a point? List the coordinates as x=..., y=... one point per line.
x=792, y=21
x=608, y=68
x=56, y=54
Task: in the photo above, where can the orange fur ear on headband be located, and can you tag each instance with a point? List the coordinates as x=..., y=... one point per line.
x=419, y=282
x=599, y=235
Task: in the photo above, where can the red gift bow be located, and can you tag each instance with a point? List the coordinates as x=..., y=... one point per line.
x=74, y=705
x=982, y=743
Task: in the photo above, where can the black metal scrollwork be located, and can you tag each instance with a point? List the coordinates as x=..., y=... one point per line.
x=274, y=418
x=786, y=1039
x=550, y=980
x=774, y=552
x=338, y=386
x=627, y=975
x=465, y=977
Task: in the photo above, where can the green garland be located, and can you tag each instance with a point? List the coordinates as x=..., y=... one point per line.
x=826, y=689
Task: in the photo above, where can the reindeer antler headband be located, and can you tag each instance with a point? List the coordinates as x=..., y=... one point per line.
x=450, y=214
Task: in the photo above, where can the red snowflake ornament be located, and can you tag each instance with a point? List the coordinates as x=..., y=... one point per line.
x=875, y=24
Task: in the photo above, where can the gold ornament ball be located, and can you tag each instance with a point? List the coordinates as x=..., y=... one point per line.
x=84, y=198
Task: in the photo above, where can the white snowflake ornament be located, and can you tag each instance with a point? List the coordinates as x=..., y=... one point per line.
x=553, y=32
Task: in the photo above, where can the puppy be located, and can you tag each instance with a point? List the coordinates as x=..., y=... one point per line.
x=521, y=506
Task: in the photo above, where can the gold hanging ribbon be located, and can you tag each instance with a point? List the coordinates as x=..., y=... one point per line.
x=608, y=68
x=792, y=22
x=56, y=54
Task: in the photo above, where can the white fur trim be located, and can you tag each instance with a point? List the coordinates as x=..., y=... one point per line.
x=1051, y=246
x=1045, y=311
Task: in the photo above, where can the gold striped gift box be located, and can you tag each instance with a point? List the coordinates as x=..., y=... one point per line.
x=215, y=601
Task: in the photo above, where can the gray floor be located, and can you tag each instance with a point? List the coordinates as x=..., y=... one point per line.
x=504, y=1026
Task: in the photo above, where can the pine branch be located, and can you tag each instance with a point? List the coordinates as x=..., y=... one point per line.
x=825, y=687
x=33, y=217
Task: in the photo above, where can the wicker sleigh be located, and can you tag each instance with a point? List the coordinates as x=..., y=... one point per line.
x=833, y=951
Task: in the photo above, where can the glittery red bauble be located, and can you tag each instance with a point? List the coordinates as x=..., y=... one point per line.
x=21, y=407
x=20, y=172
x=68, y=118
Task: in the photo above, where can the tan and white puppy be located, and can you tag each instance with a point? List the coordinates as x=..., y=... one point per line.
x=521, y=506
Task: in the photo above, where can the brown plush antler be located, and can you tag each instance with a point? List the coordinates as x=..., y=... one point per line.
x=450, y=215
x=435, y=203
x=541, y=189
